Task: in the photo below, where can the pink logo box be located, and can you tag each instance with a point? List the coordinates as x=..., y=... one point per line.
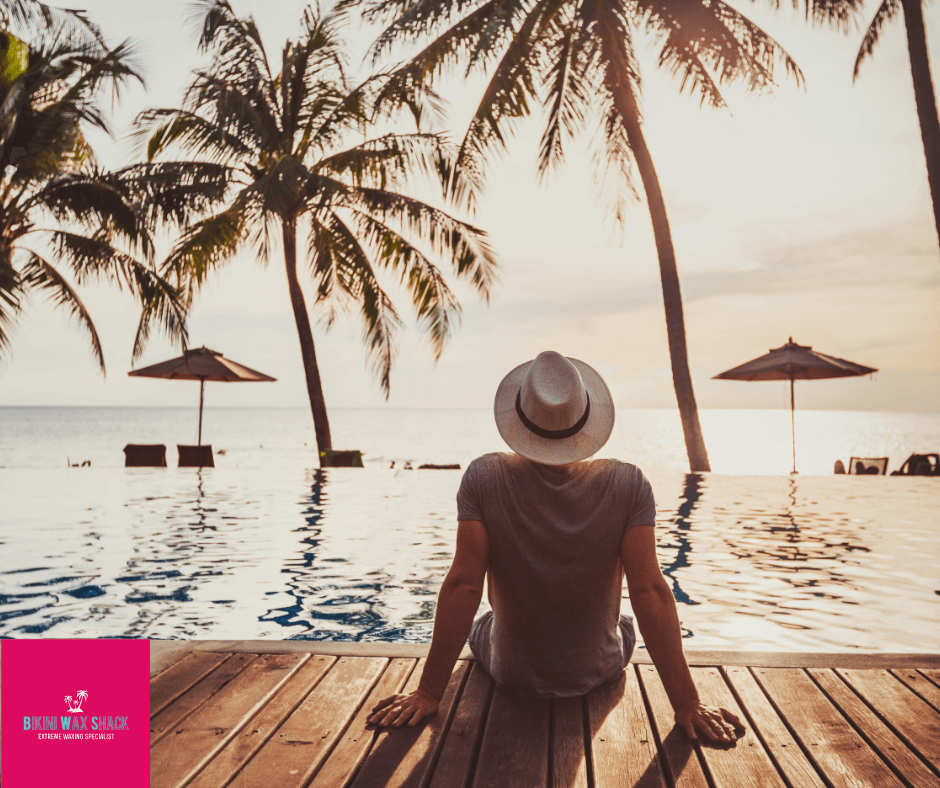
x=75, y=712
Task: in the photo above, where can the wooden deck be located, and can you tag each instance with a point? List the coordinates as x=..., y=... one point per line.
x=298, y=719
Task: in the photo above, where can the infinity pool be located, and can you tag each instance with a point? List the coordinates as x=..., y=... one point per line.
x=757, y=563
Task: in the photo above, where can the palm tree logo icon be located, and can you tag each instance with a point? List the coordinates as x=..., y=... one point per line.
x=81, y=696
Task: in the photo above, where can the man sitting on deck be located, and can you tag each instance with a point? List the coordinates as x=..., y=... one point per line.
x=550, y=530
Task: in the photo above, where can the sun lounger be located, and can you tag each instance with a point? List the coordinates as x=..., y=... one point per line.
x=920, y=465
x=142, y=455
x=868, y=466
x=195, y=456
x=340, y=459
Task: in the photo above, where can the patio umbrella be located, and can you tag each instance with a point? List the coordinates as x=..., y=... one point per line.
x=202, y=365
x=795, y=362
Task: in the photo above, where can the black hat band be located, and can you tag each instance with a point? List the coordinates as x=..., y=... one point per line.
x=553, y=435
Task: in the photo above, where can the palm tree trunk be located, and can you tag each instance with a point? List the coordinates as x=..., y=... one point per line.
x=672, y=295
x=321, y=423
x=924, y=96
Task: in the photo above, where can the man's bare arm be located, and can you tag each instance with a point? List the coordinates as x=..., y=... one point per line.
x=457, y=604
x=656, y=615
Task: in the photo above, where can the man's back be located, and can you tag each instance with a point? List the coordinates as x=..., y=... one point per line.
x=555, y=576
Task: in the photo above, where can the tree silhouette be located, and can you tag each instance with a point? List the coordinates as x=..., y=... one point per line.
x=578, y=58
x=63, y=221
x=286, y=172
x=924, y=96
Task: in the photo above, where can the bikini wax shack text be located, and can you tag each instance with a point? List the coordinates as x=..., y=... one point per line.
x=79, y=726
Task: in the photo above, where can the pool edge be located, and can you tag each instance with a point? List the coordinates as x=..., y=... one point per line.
x=164, y=653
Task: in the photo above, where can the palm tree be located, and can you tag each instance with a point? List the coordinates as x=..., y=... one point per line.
x=58, y=210
x=280, y=141
x=577, y=57
x=924, y=95
x=68, y=700
x=82, y=697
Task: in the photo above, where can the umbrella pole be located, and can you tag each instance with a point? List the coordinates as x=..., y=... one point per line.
x=793, y=423
x=202, y=386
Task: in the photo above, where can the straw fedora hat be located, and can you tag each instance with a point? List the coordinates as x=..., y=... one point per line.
x=554, y=410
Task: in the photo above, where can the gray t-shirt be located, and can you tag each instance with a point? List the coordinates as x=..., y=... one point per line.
x=555, y=578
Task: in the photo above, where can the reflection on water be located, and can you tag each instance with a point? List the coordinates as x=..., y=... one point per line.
x=781, y=563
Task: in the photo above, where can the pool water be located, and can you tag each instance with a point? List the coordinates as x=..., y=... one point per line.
x=755, y=562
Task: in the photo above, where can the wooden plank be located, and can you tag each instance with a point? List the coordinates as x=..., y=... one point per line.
x=913, y=719
x=925, y=688
x=176, y=679
x=515, y=742
x=463, y=738
x=358, y=739
x=879, y=735
x=230, y=760
x=743, y=762
x=404, y=757
x=623, y=751
x=199, y=693
x=843, y=757
x=569, y=764
x=780, y=745
x=933, y=675
x=679, y=755
x=300, y=745
x=175, y=759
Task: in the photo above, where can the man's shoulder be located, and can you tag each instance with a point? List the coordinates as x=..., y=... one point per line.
x=617, y=471
x=492, y=462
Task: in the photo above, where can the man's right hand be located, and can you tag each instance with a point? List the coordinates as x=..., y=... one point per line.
x=717, y=724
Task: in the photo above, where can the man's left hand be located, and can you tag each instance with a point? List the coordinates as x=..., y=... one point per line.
x=397, y=710
x=716, y=723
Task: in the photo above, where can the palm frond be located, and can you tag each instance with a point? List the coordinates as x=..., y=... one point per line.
x=173, y=193
x=237, y=49
x=409, y=21
x=161, y=307
x=279, y=190
x=466, y=246
x=613, y=164
x=620, y=97
x=507, y=96
x=95, y=259
x=30, y=15
x=327, y=116
x=401, y=91
x=312, y=68
x=840, y=14
x=159, y=129
x=700, y=38
x=570, y=91
x=436, y=306
x=38, y=274
x=390, y=160
x=11, y=295
x=885, y=13
x=99, y=201
x=237, y=104
x=205, y=246
x=90, y=73
x=351, y=266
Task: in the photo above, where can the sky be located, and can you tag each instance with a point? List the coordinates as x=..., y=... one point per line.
x=804, y=213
